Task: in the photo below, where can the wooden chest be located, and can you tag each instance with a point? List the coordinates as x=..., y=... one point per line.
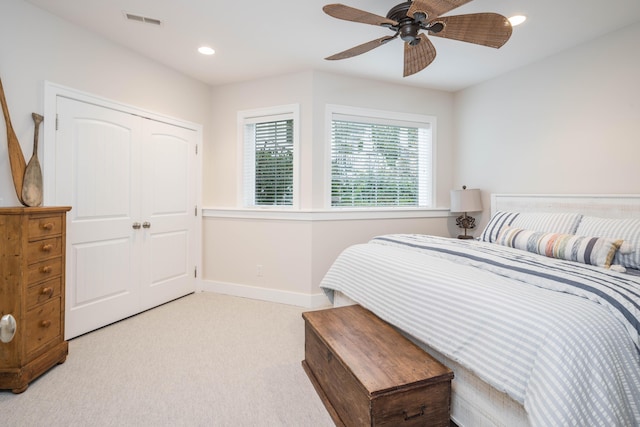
x=368, y=374
x=32, y=261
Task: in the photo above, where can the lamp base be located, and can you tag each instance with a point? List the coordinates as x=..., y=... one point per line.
x=465, y=222
x=465, y=237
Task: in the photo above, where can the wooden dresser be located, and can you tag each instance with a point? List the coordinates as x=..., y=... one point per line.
x=368, y=374
x=32, y=264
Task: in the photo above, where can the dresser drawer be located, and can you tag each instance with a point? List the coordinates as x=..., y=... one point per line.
x=42, y=292
x=43, y=325
x=44, y=270
x=43, y=249
x=44, y=226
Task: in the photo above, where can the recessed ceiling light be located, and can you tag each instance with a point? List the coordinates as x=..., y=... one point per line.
x=206, y=50
x=517, y=20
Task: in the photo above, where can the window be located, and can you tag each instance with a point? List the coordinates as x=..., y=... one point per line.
x=380, y=159
x=269, y=144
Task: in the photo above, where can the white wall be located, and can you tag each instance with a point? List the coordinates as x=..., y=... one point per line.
x=36, y=46
x=567, y=124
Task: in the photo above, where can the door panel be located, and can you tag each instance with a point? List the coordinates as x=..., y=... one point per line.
x=165, y=268
x=99, y=272
x=104, y=173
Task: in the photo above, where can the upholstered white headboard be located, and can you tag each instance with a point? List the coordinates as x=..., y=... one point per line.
x=601, y=205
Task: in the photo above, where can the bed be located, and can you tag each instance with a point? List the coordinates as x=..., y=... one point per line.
x=537, y=334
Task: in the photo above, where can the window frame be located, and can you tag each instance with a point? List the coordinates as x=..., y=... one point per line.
x=369, y=115
x=263, y=115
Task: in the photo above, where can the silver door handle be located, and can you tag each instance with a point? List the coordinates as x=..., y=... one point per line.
x=146, y=224
x=7, y=328
x=136, y=226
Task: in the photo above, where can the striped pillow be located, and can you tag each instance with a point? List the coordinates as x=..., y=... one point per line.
x=495, y=225
x=565, y=223
x=627, y=229
x=587, y=250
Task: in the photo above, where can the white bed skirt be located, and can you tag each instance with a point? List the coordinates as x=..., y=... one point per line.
x=473, y=402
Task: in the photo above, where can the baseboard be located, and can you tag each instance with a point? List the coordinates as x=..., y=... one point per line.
x=265, y=294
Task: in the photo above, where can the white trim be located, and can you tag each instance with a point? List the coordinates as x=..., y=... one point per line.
x=259, y=115
x=325, y=215
x=368, y=113
x=603, y=205
x=318, y=300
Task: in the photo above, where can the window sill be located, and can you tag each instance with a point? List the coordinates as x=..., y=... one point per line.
x=324, y=215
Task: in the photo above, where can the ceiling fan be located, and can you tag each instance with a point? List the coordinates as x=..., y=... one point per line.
x=408, y=18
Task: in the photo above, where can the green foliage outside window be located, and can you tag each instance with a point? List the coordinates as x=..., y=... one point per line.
x=274, y=163
x=374, y=165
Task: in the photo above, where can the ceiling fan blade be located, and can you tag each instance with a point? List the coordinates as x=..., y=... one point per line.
x=434, y=8
x=365, y=47
x=348, y=13
x=486, y=29
x=418, y=56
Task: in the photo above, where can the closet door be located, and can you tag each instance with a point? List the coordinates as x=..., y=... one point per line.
x=167, y=212
x=131, y=184
x=96, y=174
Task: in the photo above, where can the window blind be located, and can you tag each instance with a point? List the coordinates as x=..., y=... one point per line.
x=380, y=164
x=269, y=163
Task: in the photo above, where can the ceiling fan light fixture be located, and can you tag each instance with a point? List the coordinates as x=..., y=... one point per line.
x=517, y=20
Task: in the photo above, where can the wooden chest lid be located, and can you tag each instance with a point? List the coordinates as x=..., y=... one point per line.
x=379, y=356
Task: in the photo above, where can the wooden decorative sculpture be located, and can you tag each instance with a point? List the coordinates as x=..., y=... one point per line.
x=32, y=184
x=16, y=157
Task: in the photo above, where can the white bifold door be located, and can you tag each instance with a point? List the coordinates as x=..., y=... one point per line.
x=130, y=234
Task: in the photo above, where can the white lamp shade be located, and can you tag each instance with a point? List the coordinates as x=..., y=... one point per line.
x=468, y=200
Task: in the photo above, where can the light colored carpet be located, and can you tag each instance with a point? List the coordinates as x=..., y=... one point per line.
x=203, y=360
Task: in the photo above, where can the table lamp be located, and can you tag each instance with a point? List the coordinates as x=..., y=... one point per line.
x=466, y=200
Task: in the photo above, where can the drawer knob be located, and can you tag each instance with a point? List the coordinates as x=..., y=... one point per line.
x=47, y=226
x=408, y=417
x=47, y=291
x=7, y=328
x=46, y=269
x=45, y=323
x=47, y=247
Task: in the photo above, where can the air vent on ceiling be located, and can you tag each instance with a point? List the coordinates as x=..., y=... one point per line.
x=142, y=19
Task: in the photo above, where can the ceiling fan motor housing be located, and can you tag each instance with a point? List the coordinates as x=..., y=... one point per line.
x=407, y=27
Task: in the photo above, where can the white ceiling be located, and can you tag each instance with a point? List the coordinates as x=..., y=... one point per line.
x=258, y=38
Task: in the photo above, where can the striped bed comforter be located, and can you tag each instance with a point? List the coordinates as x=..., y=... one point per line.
x=560, y=338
